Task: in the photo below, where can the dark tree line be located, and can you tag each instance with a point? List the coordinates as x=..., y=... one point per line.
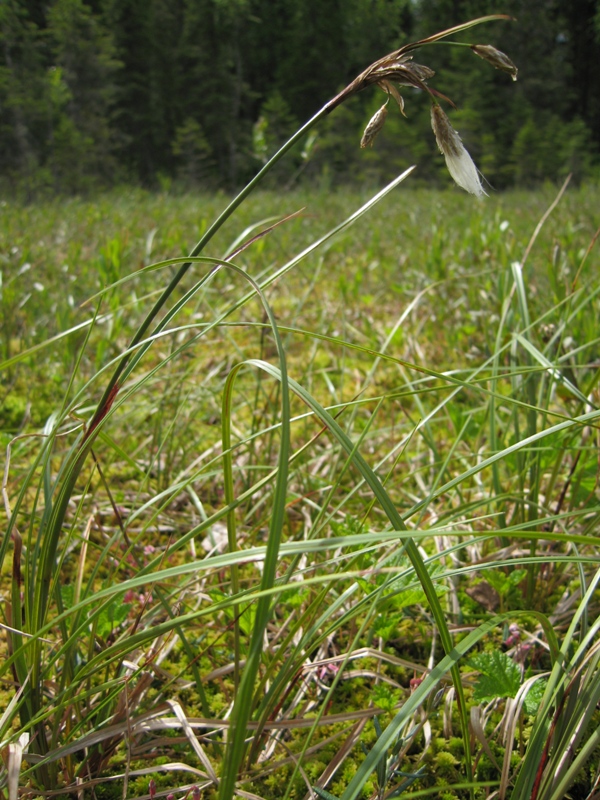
x=201, y=92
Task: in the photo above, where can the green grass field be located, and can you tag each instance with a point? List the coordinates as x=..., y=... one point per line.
x=336, y=527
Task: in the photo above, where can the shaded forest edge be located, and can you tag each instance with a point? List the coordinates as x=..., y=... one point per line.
x=199, y=93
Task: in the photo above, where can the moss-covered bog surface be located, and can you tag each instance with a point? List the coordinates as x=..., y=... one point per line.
x=427, y=505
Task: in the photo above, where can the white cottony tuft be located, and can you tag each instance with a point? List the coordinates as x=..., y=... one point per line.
x=459, y=162
x=464, y=172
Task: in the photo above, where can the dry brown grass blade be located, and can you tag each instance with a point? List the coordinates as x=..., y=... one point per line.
x=172, y=766
x=450, y=695
x=547, y=213
x=368, y=652
x=192, y=739
x=262, y=233
x=340, y=756
x=369, y=673
x=15, y=759
x=268, y=769
x=131, y=696
x=282, y=724
x=116, y=730
x=248, y=795
x=157, y=720
x=478, y=721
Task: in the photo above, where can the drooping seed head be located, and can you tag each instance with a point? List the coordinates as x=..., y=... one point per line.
x=392, y=90
x=374, y=125
x=496, y=58
x=459, y=162
x=403, y=70
x=397, y=69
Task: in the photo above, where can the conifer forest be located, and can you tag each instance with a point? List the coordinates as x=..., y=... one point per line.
x=201, y=92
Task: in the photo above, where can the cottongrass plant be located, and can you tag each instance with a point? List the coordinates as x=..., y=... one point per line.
x=111, y=633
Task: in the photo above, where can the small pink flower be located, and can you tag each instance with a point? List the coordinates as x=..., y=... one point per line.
x=522, y=652
x=325, y=669
x=514, y=636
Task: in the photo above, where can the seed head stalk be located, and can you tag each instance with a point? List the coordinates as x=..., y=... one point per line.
x=395, y=69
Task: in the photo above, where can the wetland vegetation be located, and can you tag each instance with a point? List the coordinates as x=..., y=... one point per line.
x=311, y=509
x=441, y=372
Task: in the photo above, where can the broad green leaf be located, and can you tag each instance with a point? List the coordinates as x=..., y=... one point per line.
x=500, y=676
x=534, y=697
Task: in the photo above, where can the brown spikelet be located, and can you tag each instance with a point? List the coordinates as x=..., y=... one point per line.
x=375, y=124
x=447, y=138
x=392, y=90
x=496, y=58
